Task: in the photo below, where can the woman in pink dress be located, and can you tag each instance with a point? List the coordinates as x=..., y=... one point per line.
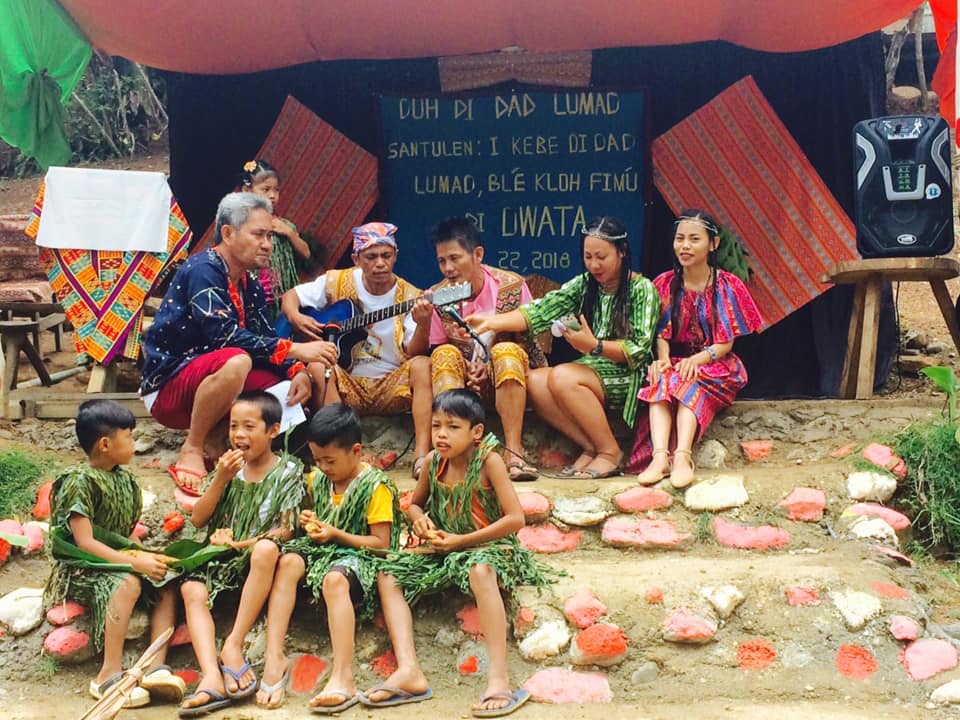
x=695, y=374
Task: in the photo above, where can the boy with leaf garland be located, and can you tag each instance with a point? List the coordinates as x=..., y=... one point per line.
x=94, y=508
x=465, y=506
x=250, y=506
x=355, y=509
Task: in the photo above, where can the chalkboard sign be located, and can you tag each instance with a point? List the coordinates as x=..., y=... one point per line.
x=530, y=168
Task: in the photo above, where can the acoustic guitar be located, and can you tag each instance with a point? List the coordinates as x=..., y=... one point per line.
x=345, y=324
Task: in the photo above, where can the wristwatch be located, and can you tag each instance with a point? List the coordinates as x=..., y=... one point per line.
x=598, y=350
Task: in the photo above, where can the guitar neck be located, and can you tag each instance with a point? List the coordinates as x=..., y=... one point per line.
x=359, y=321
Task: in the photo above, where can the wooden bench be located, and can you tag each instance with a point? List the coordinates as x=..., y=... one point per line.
x=35, y=311
x=869, y=276
x=15, y=336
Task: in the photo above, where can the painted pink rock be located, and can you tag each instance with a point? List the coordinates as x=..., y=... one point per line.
x=523, y=622
x=685, y=627
x=799, y=595
x=755, y=450
x=653, y=596
x=631, y=532
x=469, y=618
x=305, y=672
x=843, y=450
x=181, y=636
x=186, y=502
x=904, y=628
x=601, y=644
x=742, y=537
x=34, y=538
x=925, y=658
x=882, y=456
x=67, y=644
x=566, y=686
x=584, y=608
x=642, y=499
x=890, y=552
x=11, y=527
x=890, y=590
x=140, y=530
x=65, y=612
x=805, y=504
x=897, y=520
x=536, y=507
x=548, y=538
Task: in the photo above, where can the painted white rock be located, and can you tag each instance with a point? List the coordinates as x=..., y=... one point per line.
x=724, y=599
x=548, y=640
x=582, y=511
x=856, y=608
x=868, y=485
x=874, y=528
x=948, y=694
x=720, y=493
x=22, y=610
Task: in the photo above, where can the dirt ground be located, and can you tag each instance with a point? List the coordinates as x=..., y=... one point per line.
x=698, y=682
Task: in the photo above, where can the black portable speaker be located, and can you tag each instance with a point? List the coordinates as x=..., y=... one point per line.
x=904, y=193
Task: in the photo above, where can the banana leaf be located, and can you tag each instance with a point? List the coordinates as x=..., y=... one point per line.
x=16, y=540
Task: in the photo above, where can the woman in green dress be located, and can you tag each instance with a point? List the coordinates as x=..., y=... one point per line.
x=608, y=313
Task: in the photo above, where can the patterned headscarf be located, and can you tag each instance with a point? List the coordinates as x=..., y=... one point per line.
x=375, y=233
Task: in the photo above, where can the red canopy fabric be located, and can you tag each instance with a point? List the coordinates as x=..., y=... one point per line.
x=251, y=35
x=945, y=79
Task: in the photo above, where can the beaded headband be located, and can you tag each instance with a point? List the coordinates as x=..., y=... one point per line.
x=597, y=232
x=705, y=224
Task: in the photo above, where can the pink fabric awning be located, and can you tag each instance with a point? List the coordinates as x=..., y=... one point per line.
x=251, y=35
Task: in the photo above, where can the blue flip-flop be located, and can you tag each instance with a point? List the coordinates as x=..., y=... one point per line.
x=516, y=699
x=240, y=693
x=217, y=702
x=398, y=696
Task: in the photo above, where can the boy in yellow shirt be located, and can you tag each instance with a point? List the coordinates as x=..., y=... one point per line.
x=355, y=507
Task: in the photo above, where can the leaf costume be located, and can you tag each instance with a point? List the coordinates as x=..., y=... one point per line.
x=349, y=516
x=111, y=500
x=460, y=509
x=249, y=509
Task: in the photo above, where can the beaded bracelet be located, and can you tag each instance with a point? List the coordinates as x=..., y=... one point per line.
x=711, y=352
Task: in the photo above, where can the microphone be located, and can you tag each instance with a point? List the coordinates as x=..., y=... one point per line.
x=454, y=315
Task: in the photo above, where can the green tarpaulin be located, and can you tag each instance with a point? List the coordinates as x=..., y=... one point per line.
x=42, y=58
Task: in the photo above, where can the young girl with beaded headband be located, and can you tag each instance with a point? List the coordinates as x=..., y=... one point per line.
x=610, y=314
x=695, y=374
x=290, y=251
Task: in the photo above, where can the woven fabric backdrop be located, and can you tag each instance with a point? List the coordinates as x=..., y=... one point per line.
x=328, y=183
x=103, y=292
x=735, y=159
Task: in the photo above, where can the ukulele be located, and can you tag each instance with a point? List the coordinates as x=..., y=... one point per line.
x=345, y=324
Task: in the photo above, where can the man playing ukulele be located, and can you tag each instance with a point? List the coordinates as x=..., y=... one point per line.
x=390, y=371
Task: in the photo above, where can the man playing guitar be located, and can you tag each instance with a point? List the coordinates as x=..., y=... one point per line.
x=390, y=372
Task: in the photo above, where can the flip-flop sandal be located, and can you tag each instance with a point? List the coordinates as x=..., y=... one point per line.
x=217, y=701
x=398, y=696
x=163, y=685
x=516, y=698
x=588, y=474
x=350, y=701
x=270, y=689
x=240, y=693
x=569, y=470
x=137, y=697
x=174, y=471
x=521, y=472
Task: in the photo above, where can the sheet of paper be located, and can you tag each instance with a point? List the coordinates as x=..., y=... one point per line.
x=87, y=209
x=292, y=414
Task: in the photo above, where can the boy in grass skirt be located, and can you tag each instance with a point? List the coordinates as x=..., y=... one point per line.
x=465, y=506
x=94, y=508
x=355, y=509
x=250, y=505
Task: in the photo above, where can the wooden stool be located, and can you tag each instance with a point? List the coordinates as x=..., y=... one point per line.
x=15, y=336
x=869, y=276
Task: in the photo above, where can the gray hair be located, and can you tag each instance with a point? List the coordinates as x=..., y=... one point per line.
x=236, y=207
